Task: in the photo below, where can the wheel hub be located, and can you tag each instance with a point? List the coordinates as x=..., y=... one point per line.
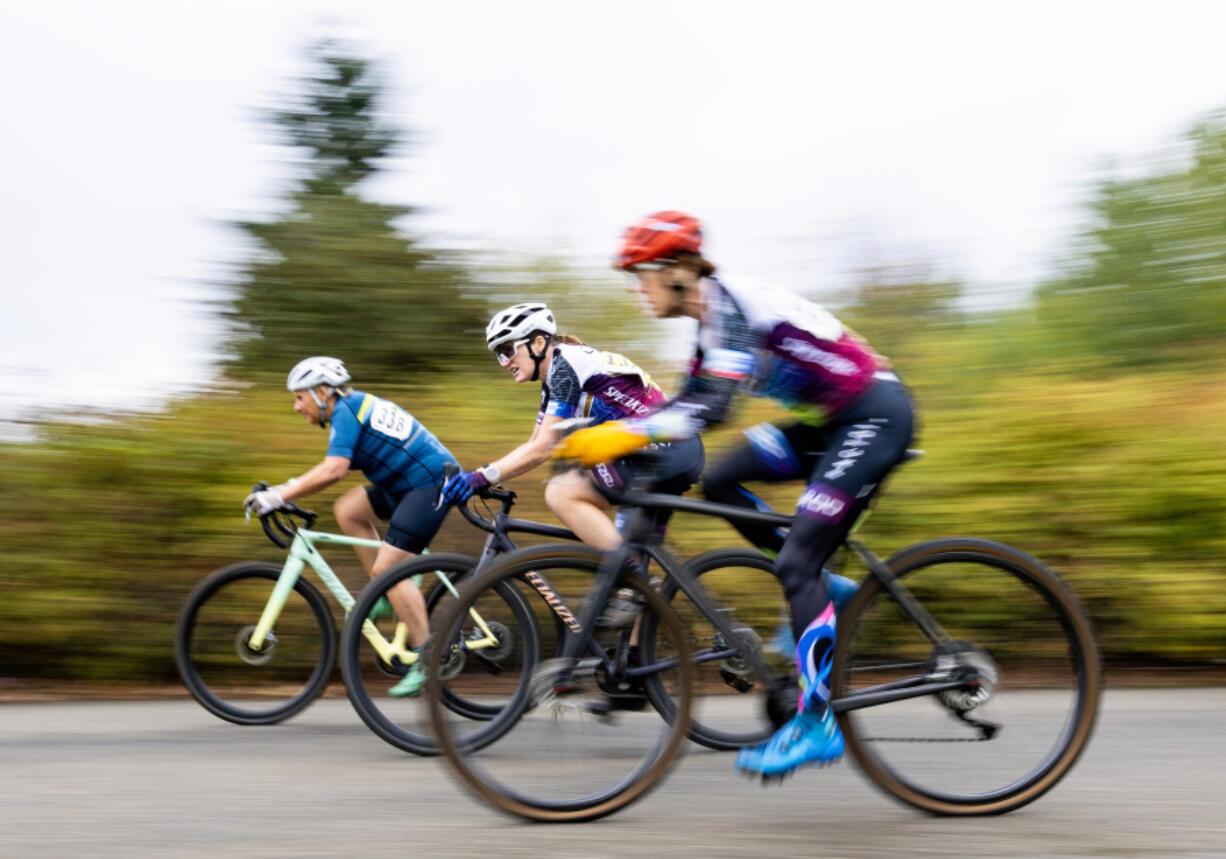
x=962, y=659
x=242, y=646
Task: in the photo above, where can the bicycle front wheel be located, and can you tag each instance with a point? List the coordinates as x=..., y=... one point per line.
x=587, y=743
x=232, y=679
x=1018, y=662
x=484, y=661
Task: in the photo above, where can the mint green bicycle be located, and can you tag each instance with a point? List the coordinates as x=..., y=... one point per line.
x=255, y=643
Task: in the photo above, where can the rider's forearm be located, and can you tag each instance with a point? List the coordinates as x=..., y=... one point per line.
x=332, y=469
x=524, y=458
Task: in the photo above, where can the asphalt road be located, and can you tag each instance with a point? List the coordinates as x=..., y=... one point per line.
x=167, y=779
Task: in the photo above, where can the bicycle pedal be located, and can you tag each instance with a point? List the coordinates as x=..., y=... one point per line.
x=737, y=682
x=601, y=708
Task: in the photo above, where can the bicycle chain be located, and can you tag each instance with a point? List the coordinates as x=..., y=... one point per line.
x=987, y=731
x=925, y=739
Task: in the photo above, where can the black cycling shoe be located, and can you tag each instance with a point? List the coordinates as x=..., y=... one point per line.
x=621, y=610
x=629, y=702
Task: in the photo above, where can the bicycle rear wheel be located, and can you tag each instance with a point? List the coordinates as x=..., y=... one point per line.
x=733, y=707
x=231, y=679
x=481, y=672
x=1022, y=662
x=587, y=744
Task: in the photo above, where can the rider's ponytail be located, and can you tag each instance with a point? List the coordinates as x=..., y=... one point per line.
x=568, y=339
x=696, y=263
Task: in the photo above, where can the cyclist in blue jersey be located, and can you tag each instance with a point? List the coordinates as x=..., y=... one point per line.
x=853, y=423
x=576, y=381
x=402, y=460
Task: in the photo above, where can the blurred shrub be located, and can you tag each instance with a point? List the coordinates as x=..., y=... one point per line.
x=1148, y=277
x=1115, y=483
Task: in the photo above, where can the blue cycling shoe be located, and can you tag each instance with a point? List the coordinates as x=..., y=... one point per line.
x=807, y=739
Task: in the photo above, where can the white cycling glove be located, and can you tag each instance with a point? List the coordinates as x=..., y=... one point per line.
x=264, y=501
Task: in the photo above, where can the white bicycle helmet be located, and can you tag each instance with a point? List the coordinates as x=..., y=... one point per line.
x=310, y=373
x=318, y=370
x=517, y=322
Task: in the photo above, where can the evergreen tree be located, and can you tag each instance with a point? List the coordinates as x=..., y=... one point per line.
x=333, y=275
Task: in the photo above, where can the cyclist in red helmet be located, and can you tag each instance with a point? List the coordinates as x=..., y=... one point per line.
x=852, y=424
x=660, y=236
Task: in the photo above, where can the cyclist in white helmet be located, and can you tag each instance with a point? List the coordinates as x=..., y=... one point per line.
x=576, y=381
x=404, y=463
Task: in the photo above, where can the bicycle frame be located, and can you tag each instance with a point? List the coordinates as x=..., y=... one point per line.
x=302, y=553
x=639, y=539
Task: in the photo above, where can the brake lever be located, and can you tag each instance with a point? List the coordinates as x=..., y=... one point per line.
x=258, y=486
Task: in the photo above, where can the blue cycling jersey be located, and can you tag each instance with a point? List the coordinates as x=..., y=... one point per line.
x=386, y=443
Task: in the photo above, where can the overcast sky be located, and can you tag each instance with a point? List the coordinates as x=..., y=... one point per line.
x=810, y=137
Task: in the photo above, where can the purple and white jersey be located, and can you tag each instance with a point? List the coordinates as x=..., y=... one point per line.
x=768, y=342
x=585, y=382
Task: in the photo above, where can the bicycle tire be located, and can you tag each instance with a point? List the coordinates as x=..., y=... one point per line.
x=663, y=739
x=404, y=723
x=1028, y=668
x=192, y=641
x=728, y=722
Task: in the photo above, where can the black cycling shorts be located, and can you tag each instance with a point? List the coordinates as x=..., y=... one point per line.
x=413, y=521
x=676, y=467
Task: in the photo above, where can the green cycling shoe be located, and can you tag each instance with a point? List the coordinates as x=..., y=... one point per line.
x=411, y=684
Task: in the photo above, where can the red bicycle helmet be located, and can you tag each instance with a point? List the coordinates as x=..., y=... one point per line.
x=659, y=236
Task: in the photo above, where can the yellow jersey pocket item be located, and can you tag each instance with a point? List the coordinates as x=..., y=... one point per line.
x=603, y=443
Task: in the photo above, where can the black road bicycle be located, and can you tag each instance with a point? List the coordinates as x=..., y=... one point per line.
x=479, y=682
x=477, y=672
x=966, y=675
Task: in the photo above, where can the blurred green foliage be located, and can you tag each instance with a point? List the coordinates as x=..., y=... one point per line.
x=1148, y=277
x=1086, y=429
x=1116, y=482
